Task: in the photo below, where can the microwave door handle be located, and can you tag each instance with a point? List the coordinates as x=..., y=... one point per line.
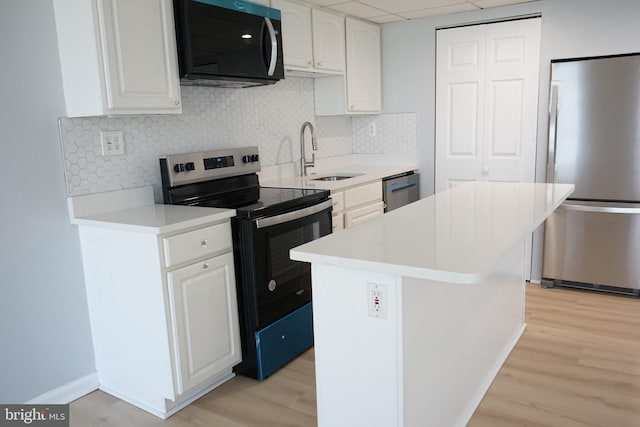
x=274, y=47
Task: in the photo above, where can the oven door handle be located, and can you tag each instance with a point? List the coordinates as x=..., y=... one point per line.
x=290, y=216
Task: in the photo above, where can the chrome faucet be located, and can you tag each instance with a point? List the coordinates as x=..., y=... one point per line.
x=304, y=164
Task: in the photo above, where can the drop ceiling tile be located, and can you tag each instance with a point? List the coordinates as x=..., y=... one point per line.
x=357, y=9
x=386, y=18
x=395, y=6
x=462, y=7
x=325, y=2
x=495, y=3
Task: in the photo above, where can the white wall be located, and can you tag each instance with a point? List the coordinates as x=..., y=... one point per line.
x=570, y=28
x=44, y=325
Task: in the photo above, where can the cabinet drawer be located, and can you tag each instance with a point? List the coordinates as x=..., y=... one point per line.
x=195, y=244
x=364, y=194
x=363, y=214
x=338, y=201
x=283, y=340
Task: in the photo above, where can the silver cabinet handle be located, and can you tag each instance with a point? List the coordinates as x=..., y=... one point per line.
x=205, y=266
x=274, y=47
x=203, y=243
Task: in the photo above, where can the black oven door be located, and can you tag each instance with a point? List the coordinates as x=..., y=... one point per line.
x=282, y=285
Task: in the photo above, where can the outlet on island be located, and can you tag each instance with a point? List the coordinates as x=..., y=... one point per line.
x=377, y=300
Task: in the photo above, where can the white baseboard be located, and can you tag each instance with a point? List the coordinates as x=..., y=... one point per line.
x=68, y=392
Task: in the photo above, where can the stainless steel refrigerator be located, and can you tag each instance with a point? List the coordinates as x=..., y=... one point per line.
x=593, y=239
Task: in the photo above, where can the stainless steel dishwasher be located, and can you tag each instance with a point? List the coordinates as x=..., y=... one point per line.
x=399, y=190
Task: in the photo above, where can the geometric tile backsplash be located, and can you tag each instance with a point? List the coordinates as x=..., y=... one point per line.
x=394, y=134
x=267, y=116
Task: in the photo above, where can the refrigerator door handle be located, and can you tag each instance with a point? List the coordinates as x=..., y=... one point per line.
x=553, y=132
x=601, y=209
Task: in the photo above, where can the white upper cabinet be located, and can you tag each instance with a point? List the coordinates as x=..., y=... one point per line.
x=118, y=57
x=313, y=40
x=328, y=40
x=364, y=84
x=360, y=91
x=296, y=33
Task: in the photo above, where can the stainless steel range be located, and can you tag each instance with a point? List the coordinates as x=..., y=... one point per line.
x=274, y=292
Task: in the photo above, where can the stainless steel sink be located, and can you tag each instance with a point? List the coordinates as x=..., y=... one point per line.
x=337, y=177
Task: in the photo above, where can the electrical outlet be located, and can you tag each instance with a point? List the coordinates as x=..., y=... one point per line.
x=372, y=129
x=377, y=300
x=112, y=142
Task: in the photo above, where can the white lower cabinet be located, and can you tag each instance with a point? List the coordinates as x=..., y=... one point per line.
x=363, y=214
x=357, y=204
x=163, y=312
x=204, y=320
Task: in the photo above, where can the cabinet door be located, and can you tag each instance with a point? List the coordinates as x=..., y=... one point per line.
x=364, y=85
x=296, y=33
x=204, y=320
x=139, y=54
x=363, y=214
x=363, y=194
x=328, y=40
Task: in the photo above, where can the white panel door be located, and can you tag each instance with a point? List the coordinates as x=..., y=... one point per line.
x=204, y=318
x=459, y=105
x=486, y=102
x=511, y=102
x=139, y=50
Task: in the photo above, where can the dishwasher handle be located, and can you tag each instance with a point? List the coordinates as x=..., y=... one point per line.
x=402, y=185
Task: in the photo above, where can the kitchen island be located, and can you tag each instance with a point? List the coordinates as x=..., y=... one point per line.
x=416, y=311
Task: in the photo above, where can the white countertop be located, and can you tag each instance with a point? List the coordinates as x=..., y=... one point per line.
x=155, y=219
x=453, y=236
x=133, y=210
x=366, y=173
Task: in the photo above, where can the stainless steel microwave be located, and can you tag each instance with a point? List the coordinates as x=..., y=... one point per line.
x=228, y=43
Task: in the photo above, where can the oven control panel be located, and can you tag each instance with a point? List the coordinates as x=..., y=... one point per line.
x=179, y=169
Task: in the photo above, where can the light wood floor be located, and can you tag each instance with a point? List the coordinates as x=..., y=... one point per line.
x=577, y=364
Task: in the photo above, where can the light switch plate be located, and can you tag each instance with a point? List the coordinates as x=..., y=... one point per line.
x=112, y=142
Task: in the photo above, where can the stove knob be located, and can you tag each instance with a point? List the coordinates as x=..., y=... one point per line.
x=189, y=166
x=178, y=167
x=254, y=158
x=246, y=159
